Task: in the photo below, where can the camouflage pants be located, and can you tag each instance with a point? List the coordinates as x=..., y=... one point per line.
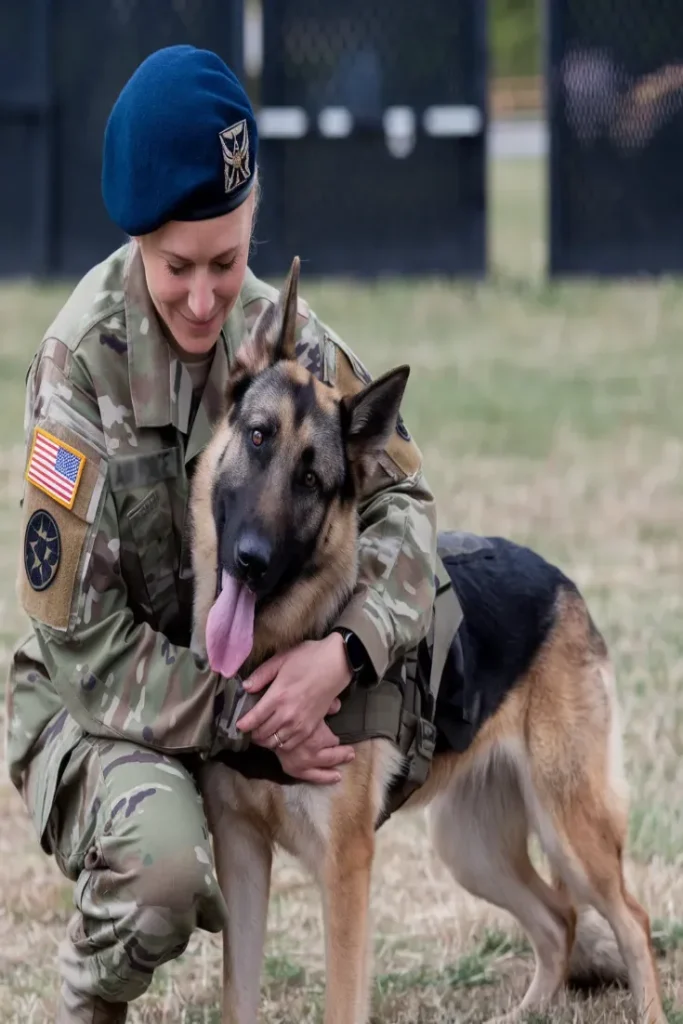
x=128, y=827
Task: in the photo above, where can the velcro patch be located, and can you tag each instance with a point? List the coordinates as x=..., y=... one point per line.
x=55, y=534
x=54, y=467
x=42, y=549
x=404, y=454
x=350, y=376
x=402, y=457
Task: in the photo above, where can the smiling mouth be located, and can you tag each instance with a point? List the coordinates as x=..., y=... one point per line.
x=199, y=323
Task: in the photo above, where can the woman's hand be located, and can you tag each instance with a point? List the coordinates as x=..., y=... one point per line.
x=318, y=758
x=303, y=686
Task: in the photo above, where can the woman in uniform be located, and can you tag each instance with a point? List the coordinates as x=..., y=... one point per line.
x=107, y=703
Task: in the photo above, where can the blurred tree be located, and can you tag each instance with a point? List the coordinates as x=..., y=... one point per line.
x=515, y=37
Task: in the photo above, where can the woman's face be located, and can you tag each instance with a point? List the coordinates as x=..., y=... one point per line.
x=195, y=270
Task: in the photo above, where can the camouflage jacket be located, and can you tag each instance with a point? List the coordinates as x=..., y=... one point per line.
x=107, y=582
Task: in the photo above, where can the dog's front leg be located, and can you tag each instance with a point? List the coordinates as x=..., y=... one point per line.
x=243, y=856
x=243, y=866
x=346, y=900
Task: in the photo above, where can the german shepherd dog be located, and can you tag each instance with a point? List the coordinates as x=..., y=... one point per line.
x=274, y=513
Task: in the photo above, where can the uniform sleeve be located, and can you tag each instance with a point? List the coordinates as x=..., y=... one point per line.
x=117, y=678
x=391, y=609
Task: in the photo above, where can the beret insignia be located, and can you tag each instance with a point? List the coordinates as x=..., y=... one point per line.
x=235, y=145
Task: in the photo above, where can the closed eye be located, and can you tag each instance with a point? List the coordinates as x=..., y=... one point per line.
x=220, y=266
x=175, y=270
x=223, y=268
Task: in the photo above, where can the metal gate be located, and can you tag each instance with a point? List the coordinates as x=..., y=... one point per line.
x=615, y=111
x=25, y=138
x=62, y=65
x=372, y=122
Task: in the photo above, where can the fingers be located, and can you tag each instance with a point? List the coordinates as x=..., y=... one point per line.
x=260, y=721
x=291, y=729
x=276, y=741
x=264, y=674
x=316, y=765
x=324, y=737
x=264, y=718
x=318, y=776
x=294, y=740
x=334, y=706
x=330, y=757
x=279, y=732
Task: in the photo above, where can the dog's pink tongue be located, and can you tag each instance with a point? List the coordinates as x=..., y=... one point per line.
x=230, y=627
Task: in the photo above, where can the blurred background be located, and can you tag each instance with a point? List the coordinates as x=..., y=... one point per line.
x=491, y=192
x=377, y=119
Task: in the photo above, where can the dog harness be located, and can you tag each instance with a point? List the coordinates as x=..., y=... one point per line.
x=401, y=707
x=424, y=702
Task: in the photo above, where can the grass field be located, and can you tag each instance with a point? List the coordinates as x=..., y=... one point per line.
x=551, y=414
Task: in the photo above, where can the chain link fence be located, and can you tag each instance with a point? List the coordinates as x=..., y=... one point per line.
x=373, y=119
x=62, y=65
x=372, y=116
x=615, y=81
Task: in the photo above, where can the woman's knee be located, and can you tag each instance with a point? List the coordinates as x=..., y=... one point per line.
x=137, y=913
x=180, y=887
x=133, y=832
x=159, y=871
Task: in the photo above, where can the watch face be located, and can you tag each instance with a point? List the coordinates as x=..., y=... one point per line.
x=356, y=652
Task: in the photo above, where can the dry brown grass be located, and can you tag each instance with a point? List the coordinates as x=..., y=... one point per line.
x=549, y=414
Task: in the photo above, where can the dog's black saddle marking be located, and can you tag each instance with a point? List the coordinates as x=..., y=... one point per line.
x=508, y=595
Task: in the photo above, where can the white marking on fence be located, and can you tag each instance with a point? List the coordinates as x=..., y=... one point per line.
x=441, y=121
x=399, y=123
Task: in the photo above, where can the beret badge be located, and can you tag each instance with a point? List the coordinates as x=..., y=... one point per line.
x=235, y=146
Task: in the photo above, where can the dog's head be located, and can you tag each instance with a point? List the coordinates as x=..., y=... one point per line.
x=275, y=494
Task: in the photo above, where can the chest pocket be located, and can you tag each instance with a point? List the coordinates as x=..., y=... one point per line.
x=146, y=489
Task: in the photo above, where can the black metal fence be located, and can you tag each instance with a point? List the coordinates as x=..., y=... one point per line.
x=373, y=119
x=62, y=65
x=372, y=114
x=615, y=112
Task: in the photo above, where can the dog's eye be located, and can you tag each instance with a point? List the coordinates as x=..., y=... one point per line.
x=257, y=438
x=310, y=479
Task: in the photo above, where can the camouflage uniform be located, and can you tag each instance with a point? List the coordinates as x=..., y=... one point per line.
x=107, y=704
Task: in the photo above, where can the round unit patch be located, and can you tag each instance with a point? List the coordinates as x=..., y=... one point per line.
x=401, y=429
x=42, y=549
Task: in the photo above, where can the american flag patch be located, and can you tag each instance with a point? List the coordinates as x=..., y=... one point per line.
x=55, y=467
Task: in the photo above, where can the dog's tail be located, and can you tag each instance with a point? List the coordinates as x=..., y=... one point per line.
x=595, y=959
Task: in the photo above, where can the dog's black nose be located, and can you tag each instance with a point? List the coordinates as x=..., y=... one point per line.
x=253, y=553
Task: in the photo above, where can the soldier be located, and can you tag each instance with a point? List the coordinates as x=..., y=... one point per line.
x=107, y=704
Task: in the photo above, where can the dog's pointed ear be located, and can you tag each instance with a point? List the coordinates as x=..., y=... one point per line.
x=370, y=417
x=285, y=344
x=273, y=336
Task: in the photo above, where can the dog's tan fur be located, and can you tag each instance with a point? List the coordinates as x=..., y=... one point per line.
x=547, y=762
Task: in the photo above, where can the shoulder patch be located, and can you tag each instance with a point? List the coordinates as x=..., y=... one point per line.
x=302, y=308
x=401, y=457
x=42, y=549
x=350, y=375
x=401, y=429
x=54, y=467
x=58, y=524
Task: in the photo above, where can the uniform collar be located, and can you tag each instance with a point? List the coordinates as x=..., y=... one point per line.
x=160, y=384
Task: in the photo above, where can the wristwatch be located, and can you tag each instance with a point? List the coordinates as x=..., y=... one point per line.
x=356, y=655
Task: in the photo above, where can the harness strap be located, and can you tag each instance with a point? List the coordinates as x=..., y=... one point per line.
x=417, y=735
x=445, y=624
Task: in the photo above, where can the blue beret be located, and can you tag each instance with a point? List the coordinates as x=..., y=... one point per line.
x=180, y=142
